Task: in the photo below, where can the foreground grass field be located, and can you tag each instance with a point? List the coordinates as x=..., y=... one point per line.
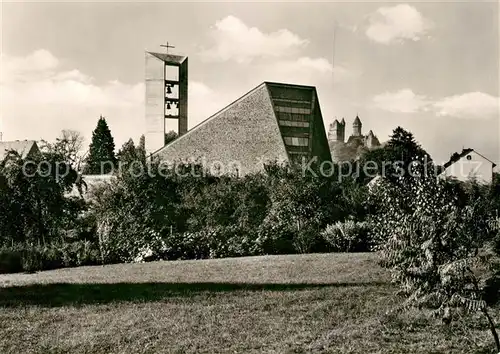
x=323, y=303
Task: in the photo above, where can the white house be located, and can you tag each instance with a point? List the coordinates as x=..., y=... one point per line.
x=469, y=164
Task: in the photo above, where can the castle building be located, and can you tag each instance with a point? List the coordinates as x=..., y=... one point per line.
x=357, y=143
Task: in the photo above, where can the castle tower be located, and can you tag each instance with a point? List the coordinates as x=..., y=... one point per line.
x=356, y=127
x=166, y=96
x=336, y=133
x=372, y=141
x=342, y=125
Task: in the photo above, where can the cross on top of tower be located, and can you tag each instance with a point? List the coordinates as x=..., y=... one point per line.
x=167, y=46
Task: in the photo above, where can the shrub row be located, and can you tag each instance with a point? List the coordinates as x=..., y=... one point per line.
x=31, y=258
x=214, y=242
x=231, y=241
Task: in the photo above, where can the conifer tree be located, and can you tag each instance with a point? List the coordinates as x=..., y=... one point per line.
x=141, y=148
x=170, y=136
x=128, y=153
x=101, y=158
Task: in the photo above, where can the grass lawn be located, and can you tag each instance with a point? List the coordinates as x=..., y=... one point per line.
x=322, y=303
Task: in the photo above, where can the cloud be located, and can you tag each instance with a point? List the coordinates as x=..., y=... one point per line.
x=472, y=105
x=234, y=40
x=39, y=63
x=39, y=99
x=396, y=24
x=469, y=105
x=402, y=101
x=204, y=102
x=305, y=70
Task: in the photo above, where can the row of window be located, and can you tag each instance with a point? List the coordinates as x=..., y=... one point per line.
x=293, y=141
x=295, y=110
x=291, y=103
x=294, y=117
x=289, y=123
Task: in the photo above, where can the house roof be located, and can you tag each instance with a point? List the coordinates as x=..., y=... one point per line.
x=457, y=156
x=22, y=147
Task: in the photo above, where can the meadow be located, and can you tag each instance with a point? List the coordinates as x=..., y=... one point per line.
x=314, y=303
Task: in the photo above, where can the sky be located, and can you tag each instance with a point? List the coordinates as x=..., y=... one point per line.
x=430, y=67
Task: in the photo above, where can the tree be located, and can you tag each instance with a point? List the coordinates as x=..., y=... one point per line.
x=141, y=148
x=170, y=136
x=128, y=152
x=401, y=155
x=131, y=159
x=68, y=147
x=101, y=158
x=441, y=253
x=33, y=205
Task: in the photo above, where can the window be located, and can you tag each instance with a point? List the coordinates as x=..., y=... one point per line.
x=300, y=117
x=469, y=157
x=289, y=123
x=293, y=141
x=284, y=116
x=295, y=110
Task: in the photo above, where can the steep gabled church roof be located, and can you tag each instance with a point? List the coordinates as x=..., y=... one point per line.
x=255, y=129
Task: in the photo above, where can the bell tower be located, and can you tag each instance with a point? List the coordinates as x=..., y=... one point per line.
x=166, y=101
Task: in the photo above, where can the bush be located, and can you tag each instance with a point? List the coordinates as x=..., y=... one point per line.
x=186, y=245
x=230, y=241
x=52, y=257
x=348, y=236
x=212, y=242
x=308, y=240
x=11, y=260
x=79, y=253
x=439, y=251
x=274, y=238
x=33, y=258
